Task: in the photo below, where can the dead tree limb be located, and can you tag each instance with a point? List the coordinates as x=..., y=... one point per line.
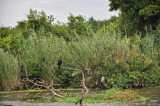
x=43, y=84
x=84, y=88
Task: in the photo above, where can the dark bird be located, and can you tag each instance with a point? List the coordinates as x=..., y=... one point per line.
x=59, y=63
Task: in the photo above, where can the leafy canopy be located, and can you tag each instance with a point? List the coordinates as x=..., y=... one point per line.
x=137, y=14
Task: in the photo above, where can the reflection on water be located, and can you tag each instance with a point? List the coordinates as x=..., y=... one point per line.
x=17, y=99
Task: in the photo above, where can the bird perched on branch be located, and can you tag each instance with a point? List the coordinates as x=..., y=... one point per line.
x=59, y=63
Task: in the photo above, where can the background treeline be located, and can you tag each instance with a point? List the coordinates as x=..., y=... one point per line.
x=124, y=49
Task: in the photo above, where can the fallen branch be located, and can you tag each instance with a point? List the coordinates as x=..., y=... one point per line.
x=44, y=85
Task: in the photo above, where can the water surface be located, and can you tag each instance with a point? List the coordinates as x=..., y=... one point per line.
x=18, y=99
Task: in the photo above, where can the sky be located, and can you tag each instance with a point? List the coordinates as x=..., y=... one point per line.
x=12, y=11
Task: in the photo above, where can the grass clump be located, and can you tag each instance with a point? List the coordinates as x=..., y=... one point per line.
x=126, y=95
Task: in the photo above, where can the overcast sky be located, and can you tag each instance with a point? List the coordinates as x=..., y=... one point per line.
x=12, y=11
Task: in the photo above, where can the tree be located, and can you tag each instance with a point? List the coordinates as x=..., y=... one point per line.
x=6, y=31
x=10, y=38
x=78, y=24
x=97, y=24
x=137, y=14
x=38, y=21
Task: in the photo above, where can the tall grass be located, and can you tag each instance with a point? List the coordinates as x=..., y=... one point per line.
x=9, y=71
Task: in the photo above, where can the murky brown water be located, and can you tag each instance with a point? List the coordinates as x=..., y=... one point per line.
x=17, y=99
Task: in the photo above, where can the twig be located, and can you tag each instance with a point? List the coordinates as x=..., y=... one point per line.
x=37, y=93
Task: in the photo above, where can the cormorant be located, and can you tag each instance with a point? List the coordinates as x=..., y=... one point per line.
x=59, y=63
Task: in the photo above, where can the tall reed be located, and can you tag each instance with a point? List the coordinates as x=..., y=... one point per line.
x=9, y=71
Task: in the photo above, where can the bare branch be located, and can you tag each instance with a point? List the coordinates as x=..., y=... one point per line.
x=43, y=84
x=82, y=85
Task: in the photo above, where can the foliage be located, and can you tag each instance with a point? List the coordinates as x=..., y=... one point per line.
x=9, y=71
x=11, y=43
x=97, y=24
x=78, y=25
x=39, y=56
x=6, y=31
x=137, y=14
x=123, y=64
x=62, y=30
x=36, y=21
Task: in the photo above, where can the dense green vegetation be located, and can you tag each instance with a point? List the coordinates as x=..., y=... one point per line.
x=124, y=49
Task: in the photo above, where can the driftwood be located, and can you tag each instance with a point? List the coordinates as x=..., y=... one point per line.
x=44, y=85
x=84, y=88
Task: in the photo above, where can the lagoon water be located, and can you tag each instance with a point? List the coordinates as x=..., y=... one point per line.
x=17, y=99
